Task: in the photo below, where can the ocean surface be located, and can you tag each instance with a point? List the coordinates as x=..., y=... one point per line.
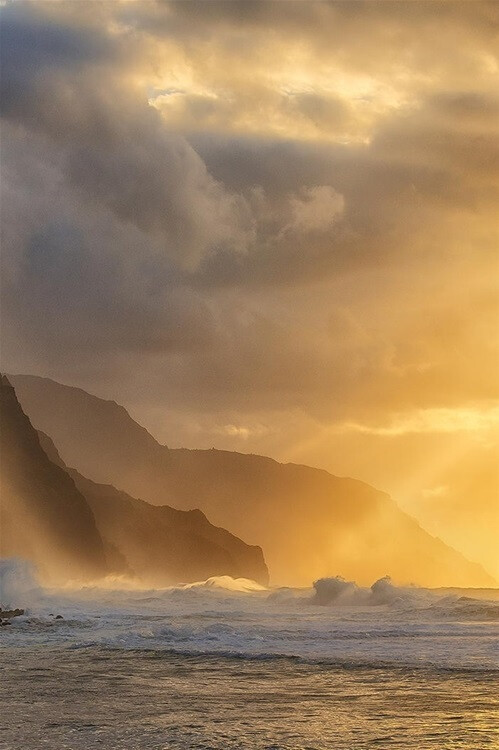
x=225, y=664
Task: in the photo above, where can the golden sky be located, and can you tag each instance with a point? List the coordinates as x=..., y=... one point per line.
x=268, y=227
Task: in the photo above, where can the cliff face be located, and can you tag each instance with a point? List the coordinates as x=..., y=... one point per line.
x=161, y=545
x=73, y=528
x=310, y=523
x=43, y=516
x=83, y=426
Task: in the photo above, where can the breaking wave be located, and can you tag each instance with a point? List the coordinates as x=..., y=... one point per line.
x=334, y=621
x=338, y=591
x=224, y=583
x=383, y=592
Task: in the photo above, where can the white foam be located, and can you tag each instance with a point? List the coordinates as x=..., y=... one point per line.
x=226, y=583
x=335, y=621
x=338, y=591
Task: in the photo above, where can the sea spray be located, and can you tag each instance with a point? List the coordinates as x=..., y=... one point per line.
x=334, y=622
x=19, y=586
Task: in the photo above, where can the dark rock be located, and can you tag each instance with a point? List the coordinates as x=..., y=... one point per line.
x=11, y=612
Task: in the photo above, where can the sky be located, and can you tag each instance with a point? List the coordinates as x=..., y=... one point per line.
x=268, y=227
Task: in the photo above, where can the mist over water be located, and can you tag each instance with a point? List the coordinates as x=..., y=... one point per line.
x=226, y=663
x=334, y=621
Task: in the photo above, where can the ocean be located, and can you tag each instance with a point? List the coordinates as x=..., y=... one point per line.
x=226, y=664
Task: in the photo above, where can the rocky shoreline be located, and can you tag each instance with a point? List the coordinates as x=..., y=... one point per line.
x=7, y=614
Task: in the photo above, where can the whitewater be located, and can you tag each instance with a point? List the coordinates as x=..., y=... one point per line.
x=226, y=663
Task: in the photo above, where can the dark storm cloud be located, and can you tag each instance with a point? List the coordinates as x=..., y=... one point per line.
x=34, y=48
x=434, y=158
x=116, y=151
x=79, y=279
x=32, y=42
x=77, y=283
x=129, y=231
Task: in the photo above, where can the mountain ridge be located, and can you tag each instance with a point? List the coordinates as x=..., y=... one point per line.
x=178, y=542
x=75, y=529
x=309, y=522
